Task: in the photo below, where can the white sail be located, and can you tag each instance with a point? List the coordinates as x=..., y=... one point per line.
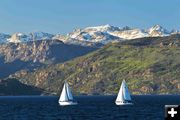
x=123, y=95
x=63, y=96
x=120, y=96
x=70, y=97
x=126, y=91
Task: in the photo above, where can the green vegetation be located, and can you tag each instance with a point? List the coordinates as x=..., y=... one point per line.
x=149, y=65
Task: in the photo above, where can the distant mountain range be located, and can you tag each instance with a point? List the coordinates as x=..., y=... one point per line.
x=149, y=65
x=40, y=62
x=90, y=35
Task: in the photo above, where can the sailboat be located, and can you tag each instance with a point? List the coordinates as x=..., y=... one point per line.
x=123, y=97
x=66, y=97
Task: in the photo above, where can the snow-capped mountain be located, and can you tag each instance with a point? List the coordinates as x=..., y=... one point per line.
x=91, y=35
x=99, y=34
x=108, y=33
x=21, y=37
x=103, y=28
x=130, y=33
x=158, y=30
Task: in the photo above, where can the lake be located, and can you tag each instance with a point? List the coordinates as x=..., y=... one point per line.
x=146, y=107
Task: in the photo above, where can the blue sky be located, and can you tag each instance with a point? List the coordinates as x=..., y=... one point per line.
x=62, y=16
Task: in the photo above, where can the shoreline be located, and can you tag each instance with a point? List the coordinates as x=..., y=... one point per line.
x=24, y=96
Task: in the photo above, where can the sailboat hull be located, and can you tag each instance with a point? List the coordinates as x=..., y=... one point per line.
x=123, y=103
x=67, y=103
x=66, y=97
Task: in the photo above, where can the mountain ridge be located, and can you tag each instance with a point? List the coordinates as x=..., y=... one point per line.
x=90, y=35
x=34, y=54
x=149, y=65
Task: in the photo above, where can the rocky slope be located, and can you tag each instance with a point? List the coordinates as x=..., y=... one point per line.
x=35, y=54
x=14, y=87
x=149, y=65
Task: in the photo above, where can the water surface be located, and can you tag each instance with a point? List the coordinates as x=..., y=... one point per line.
x=89, y=108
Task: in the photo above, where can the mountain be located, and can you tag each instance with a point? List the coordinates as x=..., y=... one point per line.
x=97, y=34
x=157, y=31
x=34, y=54
x=107, y=33
x=149, y=65
x=21, y=37
x=91, y=36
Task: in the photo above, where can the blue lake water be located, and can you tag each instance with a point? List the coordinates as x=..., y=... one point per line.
x=89, y=108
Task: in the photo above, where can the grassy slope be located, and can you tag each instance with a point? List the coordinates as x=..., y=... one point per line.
x=148, y=68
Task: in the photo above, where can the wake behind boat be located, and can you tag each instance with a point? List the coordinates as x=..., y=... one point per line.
x=66, y=97
x=123, y=97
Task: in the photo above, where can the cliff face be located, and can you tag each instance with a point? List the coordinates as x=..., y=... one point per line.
x=35, y=54
x=149, y=65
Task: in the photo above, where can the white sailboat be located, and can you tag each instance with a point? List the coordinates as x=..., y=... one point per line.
x=123, y=97
x=66, y=97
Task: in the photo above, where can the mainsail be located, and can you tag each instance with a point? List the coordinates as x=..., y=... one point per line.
x=66, y=94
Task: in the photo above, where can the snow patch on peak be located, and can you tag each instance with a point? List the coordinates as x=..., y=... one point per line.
x=157, y=27
x=158, y=30
x=22, y=37
x=103, y=28
x=130, y=34
x=18, y=37
x=98, y=34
